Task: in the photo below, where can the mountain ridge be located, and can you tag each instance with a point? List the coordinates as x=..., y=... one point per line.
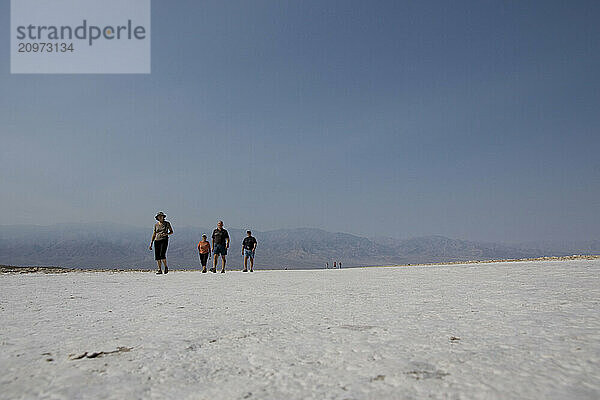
x=114, y=245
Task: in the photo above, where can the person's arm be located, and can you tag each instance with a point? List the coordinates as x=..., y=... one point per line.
x=209, y=251
x=199, y=247
x=255, y=244
x=170, y=229
x=152, y=240
x=227, y=239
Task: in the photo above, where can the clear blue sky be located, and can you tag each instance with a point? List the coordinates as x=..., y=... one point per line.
x=477, y=120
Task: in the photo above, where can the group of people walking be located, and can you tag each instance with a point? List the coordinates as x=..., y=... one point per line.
x=220, y=244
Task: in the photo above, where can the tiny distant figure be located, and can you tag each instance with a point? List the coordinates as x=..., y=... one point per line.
x=220, y=239
x=248, y=248
x=160, y=239
x=340, y=264
x=203, y=252
x=334, y=265
x=326, y=265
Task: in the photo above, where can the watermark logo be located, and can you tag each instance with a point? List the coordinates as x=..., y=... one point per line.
x=80, y=36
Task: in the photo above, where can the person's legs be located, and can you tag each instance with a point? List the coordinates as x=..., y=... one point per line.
x=215, y=261
x=157, y=255
x=252, y=264
x=203, y=259
x=245, y=263
x=160, y=251
x=223, y=261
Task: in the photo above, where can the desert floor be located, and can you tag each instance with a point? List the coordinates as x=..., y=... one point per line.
x=523, y=330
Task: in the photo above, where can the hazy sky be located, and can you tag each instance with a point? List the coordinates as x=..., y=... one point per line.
x=477, y=120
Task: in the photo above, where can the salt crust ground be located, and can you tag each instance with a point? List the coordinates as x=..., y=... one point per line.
x=526, y=330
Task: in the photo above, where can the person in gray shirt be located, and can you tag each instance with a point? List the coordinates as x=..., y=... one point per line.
x=160, y=240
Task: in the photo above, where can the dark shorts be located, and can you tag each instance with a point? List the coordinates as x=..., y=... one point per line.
x=160, y=249
x=220, y=249
x=203, y=259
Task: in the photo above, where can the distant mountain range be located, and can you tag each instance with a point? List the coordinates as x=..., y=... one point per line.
x=110, y=245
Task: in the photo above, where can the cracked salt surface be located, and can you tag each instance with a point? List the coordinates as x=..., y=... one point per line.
x=526, y=330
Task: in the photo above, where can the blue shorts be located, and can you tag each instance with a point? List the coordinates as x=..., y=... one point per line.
x=220, y=249
x=249, y=253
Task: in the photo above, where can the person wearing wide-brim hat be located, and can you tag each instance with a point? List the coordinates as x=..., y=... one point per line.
x=160, y=239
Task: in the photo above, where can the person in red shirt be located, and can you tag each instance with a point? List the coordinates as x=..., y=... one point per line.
x=203, y=252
